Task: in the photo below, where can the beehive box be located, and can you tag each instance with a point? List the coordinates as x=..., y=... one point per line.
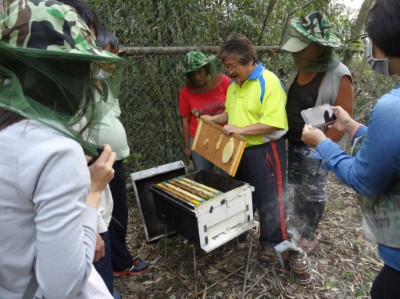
x=154, y=227
x=214, y=222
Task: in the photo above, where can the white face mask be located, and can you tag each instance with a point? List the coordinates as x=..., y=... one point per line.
x=380, y=66
x=102, y=75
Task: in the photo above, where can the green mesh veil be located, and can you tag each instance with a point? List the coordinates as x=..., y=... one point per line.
x=213, y=80
x=46, y=69
x=328, y=60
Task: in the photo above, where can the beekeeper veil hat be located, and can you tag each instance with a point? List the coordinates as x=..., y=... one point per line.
x=47, y=56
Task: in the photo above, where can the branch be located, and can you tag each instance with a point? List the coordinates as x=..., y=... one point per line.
x=143, y=51
x=270, y=7
x=217, y=282
x=290, y=14
x=254, y=284
x=246, y=274
x=357, y=28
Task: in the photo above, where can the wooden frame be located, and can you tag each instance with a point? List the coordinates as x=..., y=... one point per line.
x=205, y=144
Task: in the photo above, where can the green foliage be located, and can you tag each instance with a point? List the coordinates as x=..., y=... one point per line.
x=372, y=87
x=338, y=203
x=329, y=284
x=363, y=290
x=348, y=275
x=151, y=82
x=136, y=157
x=205, y=22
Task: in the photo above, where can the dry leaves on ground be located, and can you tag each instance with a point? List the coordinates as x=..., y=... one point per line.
x=343, y=266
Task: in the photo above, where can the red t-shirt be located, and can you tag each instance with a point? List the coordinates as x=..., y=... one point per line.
x=211, y=102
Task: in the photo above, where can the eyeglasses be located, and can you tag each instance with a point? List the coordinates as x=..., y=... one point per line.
x=231, y=67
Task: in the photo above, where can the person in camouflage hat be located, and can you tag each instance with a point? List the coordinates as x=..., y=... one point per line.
x=319, y=78
x=372, y=168
x=49, y=195
x=203, y=93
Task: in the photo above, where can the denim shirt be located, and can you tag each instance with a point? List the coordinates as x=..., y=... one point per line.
x=377, y=164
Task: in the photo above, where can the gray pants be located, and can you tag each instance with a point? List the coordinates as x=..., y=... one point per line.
x=309, y=181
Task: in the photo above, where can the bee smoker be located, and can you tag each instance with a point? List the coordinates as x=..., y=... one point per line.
x=300, y=266
x=293, y=257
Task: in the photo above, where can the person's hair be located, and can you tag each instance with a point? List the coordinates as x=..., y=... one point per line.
x=105, y=37
x=207, y=69
x=8, y=118
x=238, y=45
x=383, y=26
x=87, y=14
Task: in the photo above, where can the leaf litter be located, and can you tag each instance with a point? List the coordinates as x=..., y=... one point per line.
x=343, y=266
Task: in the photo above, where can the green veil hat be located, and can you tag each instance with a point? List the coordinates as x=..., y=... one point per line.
x=196, y=60
x=313, y=28
x=46, y=49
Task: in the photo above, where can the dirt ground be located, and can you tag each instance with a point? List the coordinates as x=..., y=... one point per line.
x=343, y=266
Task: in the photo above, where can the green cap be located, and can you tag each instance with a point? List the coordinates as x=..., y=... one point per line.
x=49, y=28
x=195, y=60
x=313, y=27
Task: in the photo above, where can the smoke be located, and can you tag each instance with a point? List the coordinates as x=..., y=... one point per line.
x=295, y=235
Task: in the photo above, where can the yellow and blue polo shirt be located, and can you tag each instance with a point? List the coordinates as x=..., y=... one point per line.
x=261, y=99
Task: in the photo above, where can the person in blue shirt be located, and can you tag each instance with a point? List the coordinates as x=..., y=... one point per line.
x=373, y=169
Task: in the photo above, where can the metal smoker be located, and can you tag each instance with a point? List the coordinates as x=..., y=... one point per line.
x=289, y=255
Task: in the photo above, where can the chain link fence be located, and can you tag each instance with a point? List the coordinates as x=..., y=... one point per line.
x=149, y=105
x=155, y=36
x=150, y=112
x=152, y=78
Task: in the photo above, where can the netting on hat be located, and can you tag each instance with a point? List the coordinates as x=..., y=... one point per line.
x=211, y=80
x=325, y=61
x=47, y=54
x=57, y=89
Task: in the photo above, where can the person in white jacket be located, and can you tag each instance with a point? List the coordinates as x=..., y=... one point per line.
x=49, y=196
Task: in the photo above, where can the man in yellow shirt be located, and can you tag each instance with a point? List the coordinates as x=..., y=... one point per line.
x=255, y=108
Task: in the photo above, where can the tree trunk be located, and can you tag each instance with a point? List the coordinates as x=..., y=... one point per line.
x=357, y=28
x=270, y=7
x=357, y=75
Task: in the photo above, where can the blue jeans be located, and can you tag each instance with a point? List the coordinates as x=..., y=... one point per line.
x=103, y=266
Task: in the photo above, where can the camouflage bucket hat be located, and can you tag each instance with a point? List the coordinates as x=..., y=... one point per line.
x=313, y=27
x=195, y=60
x=47, y=62
x=49, y=28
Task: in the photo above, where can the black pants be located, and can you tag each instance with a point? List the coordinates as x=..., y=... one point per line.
x=120, y=255
x=264, y=167
x=386, y=284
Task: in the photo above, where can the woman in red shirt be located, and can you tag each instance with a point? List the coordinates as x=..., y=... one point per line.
x=203, y=94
